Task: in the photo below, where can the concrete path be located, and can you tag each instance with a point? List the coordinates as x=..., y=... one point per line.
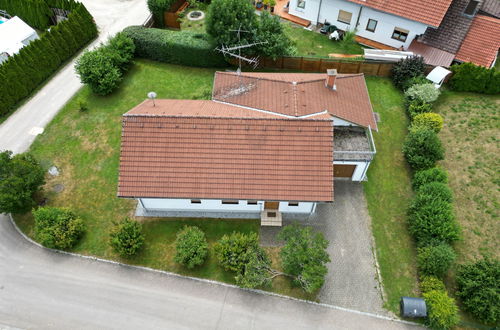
x=43, y=289
x=352, y=280
x=20, y=129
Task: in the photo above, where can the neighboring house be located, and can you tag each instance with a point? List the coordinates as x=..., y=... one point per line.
x=394, y=23
x=14, y=35
x=267, y=145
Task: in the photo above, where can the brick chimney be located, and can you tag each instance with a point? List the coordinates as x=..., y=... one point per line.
x=331, y=75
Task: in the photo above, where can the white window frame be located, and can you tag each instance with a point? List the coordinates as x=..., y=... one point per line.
x=344, y=12
x=400, y=31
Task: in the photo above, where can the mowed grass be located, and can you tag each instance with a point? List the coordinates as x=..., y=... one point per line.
x=85, y=146
x=388, y=192
x=472, y=143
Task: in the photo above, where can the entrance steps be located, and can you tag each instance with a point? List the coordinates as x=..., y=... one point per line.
x=271, y=218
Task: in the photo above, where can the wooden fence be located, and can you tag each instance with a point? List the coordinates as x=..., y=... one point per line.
x=313, y=64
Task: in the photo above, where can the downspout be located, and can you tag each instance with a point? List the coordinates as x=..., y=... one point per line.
x=319, y=10
x=357, y=20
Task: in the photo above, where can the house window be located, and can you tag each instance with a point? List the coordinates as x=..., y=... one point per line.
x=301, y=4
x=293, y=204
x=344, y=17
x=470, y=10
x=400, y=34
x=251, y=202
x=227, y=201
x=195, y=201
x=372, y=25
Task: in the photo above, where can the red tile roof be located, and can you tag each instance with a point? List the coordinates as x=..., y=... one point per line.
x=298, y=94
x=429, y=12
x=481, y=44
x=432, y=56
x=172, y=151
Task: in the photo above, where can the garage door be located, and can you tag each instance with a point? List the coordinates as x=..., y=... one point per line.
x=343, y=171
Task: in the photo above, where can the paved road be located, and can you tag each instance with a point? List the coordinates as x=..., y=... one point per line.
x=43, y=289
x=20, y=129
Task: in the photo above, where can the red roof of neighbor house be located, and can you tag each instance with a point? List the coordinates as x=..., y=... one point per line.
x=432, y=55
x=198, y=149
x=298, y=95
x=481, y=44
x=429, y=12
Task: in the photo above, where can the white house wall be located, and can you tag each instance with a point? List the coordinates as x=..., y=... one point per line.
x=341, y=122
x=212, y=205
x=360, y=171
x=386, y=23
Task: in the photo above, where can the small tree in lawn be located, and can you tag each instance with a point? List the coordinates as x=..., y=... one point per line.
x=20, y=177
x=191, y=247
x=304, y=256
x=98, y=71
x=57, y=228
x=127, y=237
x=226, y=15
x=407, y=68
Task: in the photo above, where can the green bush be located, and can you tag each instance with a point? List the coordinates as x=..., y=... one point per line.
x=35, y=13
x=442, y=310
x=177, y=47
x=21, y=176
x=191, y=247
x=121, y=50
x=431, y=283
x=304, y=256
x=233, y=251
x=425, y=93
x=256, y=272
x=431, y=221
x=435, y=259
x=275, y=42
x=418, y=80
x=422, y=149
x=416, y=107
x=157, y=8
x=407, y=68
x=435, y=191
x=57, y=228
x=479, y=289
x=435, y=174
x=468, y=77
x=127, y=238
x=98, y=71
x=430, y=120
x=38, y=60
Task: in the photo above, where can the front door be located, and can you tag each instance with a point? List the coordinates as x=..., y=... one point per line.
x=271, y=205
x=343, y=171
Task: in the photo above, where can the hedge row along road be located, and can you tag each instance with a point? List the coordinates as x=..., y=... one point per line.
x=20, y=129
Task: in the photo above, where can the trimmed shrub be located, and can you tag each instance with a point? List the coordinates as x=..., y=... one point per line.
x=435, y=259
x=177, y=47
x=431, y=221
x=417, y=107
x=233, y=251
x=21, y=176
x=98, y=71
x=435, y=174
x=425, y=93
x=191, y=247
x=442, y=310
x=431, y=283
x=418, y=80
x=35, y=13
x=127, y=237
x=422, y=149
x=158, y=8
x=407, y=68
x=57, y=228
x=304, y=256
x=479, y=289
x=435, y=191
x=430, y=120
x=468, y=77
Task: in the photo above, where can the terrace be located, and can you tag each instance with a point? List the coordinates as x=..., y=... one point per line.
x=353, y=144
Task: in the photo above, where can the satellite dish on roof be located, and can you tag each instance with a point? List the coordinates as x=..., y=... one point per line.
x=152, y=96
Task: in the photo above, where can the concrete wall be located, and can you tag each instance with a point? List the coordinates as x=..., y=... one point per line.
x=212, y=205
x=329, y=12
x=360, y=171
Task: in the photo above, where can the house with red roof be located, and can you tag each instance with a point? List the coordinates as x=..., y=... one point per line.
x=267, y=145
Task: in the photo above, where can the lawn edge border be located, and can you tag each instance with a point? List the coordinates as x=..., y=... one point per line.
x=203, y=280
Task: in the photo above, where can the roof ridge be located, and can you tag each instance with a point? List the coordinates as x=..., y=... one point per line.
x=226, y=118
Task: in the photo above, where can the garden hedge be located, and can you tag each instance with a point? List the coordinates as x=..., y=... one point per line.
x=177, y=47
x=468, y=77
x=38, y=60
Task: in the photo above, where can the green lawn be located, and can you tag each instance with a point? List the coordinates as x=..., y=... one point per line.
x=86, y=146
x=471, y=140
x=388, y=193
